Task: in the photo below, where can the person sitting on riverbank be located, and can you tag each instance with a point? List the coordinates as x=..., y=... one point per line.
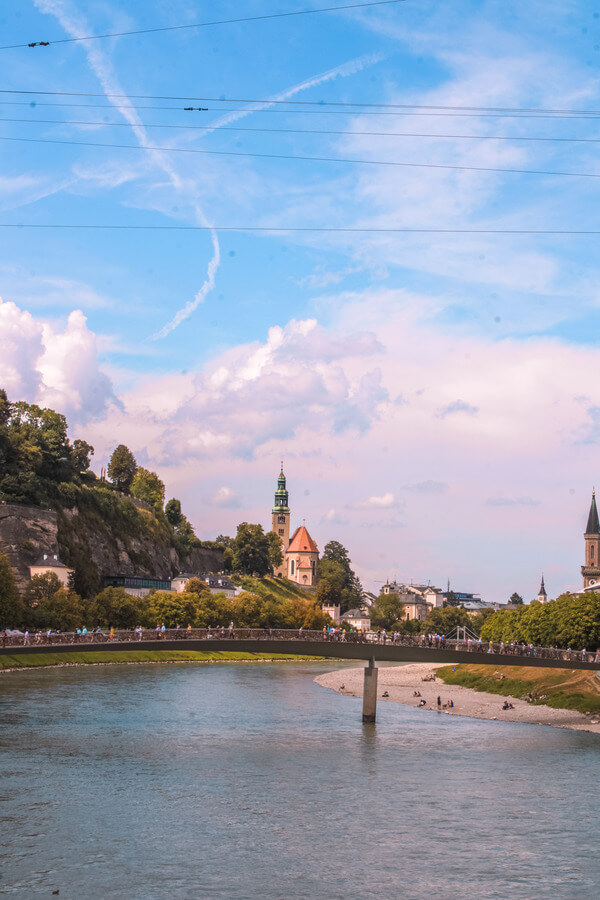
x=385, y=694
x=422, y=702
x=417, y=694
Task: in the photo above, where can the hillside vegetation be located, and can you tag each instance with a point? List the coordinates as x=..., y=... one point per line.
x=559, y=688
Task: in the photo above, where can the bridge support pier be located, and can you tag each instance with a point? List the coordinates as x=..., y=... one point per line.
x=370, y=693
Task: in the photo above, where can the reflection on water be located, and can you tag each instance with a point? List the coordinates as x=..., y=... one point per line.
x=242, y=781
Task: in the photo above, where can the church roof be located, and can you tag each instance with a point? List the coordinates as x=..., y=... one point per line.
x=593, y=525
x=542, y=590
x=302, y=541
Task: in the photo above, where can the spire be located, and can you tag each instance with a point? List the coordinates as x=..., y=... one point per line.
x=281, y=494
x=542, y=590
x=593, y=524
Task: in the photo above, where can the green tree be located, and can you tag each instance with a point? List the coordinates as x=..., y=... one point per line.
x=516, y=599
x=64, y=611
x=335, y=565
x=80, y=456
x=40, y=588
x=388, y=612
x=12, y=611
x=275, y=550
x=329, y=592
x=147, y=486
x=173, y=512
x=224, y=540
x=170, y=609
x=251, y=550
x=196, y=586
x=114, y=607
x=122, y=468
x=441, y=621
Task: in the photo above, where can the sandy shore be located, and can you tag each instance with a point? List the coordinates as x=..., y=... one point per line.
x=401, y=681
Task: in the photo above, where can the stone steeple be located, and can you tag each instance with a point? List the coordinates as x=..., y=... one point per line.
x=591, y=569
x=542, y=595
x=280, y=521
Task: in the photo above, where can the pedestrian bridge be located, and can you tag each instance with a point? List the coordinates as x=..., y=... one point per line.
x=401, y=648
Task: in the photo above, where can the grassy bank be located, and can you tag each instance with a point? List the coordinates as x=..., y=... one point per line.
x=90, y=657
x=559, y=688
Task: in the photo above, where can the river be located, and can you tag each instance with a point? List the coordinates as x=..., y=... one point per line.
x=242, y=781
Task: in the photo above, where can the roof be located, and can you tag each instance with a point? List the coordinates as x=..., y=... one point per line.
x=302, y=541
x=542, y=590
x=355, y=614
x=49, y=561
x=593, y=525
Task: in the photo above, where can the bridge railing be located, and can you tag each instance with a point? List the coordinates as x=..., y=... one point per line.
x=432, y=642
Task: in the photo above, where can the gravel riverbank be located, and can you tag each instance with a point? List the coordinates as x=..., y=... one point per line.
x=401, y=682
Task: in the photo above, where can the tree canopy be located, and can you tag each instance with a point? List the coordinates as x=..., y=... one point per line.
x=147, y=486
x=337, y=582
x=122, y=468
x=568, y=621
x=389, y=612
x=36, y=455
x=12, y=611
x=251, y=550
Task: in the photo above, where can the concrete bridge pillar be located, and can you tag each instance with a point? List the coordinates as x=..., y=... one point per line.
x=370, y=692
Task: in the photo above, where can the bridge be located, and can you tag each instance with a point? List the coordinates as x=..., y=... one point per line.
x=299, y=642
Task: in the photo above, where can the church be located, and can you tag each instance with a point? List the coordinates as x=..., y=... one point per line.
x=300, y=553
x=591, y=569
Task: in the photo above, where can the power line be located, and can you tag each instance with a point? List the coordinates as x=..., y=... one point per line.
x=399, y=106
x=298, y=12
x=306, y=112
x=333, y=159
x=470, y=137
x=278, y=229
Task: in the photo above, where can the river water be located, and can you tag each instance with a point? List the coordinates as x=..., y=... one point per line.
x=243, y=781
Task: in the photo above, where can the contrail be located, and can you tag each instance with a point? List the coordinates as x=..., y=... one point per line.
x=348, y=68
x=75, y=25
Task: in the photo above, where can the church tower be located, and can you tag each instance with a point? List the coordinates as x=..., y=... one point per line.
x=542, y=595
x=591, y=569
x=281, y=517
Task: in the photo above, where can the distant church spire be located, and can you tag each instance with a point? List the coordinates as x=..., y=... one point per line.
x=542, y=595
x=593, y=524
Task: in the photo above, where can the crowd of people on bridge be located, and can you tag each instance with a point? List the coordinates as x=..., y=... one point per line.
x=332, y=633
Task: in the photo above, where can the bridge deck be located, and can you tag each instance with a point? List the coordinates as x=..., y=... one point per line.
x=303, y=647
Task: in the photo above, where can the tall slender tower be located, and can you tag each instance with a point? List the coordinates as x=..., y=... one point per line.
x=591, y=569
x=542, y=595
x=281, y=517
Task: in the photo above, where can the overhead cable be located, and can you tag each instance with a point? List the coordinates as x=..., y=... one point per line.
x=279, y=229
x=283, y=15
x=337, y=103
x=289, y=156
x=409, y=134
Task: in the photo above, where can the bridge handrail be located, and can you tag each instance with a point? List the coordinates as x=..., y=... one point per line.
x=437, y=642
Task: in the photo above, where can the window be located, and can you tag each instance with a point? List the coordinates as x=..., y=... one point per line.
x=313, y=564
x=281, y=531
x=291, y=567
x=592, y=552
x=281, y=520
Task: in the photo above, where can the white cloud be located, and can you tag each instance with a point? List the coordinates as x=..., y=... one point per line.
x=385, y=501
x=226, y=498
x=42, y=364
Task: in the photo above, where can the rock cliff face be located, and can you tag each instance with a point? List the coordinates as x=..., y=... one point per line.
x=95, y=547
x=26, y=533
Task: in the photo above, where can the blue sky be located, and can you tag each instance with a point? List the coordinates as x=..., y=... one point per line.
x=434, y=395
